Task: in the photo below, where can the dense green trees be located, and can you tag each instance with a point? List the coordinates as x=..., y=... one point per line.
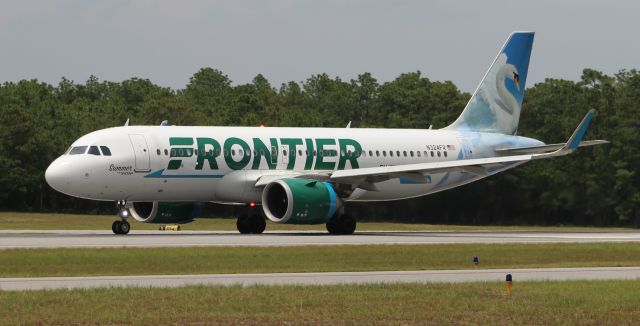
x=599, y=186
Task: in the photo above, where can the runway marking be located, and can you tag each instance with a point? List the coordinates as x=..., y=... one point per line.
x=327, y=278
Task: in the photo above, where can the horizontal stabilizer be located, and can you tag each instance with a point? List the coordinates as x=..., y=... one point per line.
x=545, y=148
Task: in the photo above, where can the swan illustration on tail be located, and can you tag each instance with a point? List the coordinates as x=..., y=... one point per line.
x=495, y=105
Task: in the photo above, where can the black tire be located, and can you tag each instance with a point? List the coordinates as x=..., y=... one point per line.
x=125, y=227
x=258, y=224
x=332, y=227
x=114, y=227
x=118, y=227
x=346, y=224
x=243, y=224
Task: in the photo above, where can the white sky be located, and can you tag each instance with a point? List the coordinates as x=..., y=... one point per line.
x=168, y=41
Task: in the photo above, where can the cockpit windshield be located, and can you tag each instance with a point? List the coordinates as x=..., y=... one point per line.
x=77, y=150
x=93, y=150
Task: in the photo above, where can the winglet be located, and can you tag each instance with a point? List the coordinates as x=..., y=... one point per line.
x=576, y=138
x=574, y=141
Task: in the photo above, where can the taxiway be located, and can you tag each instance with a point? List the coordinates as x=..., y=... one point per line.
x=428, y=276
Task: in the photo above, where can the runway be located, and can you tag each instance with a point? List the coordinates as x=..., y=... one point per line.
x=447, y=276
x=97, y=239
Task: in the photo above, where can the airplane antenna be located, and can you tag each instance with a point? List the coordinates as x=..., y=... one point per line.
x=430, y=126
x=164, y=123
x=348, y=125
x=126, y=123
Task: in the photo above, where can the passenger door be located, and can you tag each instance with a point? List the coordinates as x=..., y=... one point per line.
x=141, y=152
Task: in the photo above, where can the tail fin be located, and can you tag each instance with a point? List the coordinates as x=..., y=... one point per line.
x=495, y=105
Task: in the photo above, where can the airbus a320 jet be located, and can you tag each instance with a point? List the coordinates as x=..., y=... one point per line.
x=161, y=174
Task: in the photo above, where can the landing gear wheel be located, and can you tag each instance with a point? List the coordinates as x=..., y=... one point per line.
x=120, y=227
x=344, y=224
x=243, y=225
x=258, y=224
x=251, y=224
x=125, y=227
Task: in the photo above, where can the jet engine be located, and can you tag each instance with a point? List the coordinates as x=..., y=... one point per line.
x=164, y=212
x=299, y=201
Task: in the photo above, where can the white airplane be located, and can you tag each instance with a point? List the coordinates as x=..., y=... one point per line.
x=160, y=174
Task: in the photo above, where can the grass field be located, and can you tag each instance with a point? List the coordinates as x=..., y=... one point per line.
x=542, y=303
x=204, y=260
x=39, y=221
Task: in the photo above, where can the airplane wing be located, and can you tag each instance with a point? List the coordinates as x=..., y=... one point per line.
x=366, y=178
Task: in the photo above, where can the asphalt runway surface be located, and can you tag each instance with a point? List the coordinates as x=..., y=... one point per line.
x=438, y=276
x=96, y=239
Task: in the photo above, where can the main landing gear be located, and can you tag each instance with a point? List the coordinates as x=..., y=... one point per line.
x=251, y=222
x=341, y=224
x=121, y=226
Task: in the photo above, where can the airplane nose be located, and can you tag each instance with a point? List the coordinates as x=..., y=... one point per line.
x=57, y=175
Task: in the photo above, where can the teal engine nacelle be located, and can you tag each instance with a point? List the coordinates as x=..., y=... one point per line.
x=299, y=201
x=164, y=212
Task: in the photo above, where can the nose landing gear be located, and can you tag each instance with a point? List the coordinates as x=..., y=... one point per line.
x=121, y=226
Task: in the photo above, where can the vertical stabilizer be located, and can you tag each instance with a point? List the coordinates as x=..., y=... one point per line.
x=495, y=105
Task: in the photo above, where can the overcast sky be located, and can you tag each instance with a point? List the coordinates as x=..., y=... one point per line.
x=168, y=41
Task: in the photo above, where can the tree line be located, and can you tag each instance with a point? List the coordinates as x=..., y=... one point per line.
x=598, y=186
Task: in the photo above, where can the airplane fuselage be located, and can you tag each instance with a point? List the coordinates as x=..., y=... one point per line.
x=222, y=164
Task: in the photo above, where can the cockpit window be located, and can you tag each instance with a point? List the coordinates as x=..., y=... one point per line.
x=93, y=150
x=77, y=150
x=105, y=150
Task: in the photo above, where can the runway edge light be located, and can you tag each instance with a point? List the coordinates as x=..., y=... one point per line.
x=476, y=261
x=509, y=283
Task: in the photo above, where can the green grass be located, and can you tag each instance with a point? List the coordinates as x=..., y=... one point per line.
x=39, y=221
x=542, y=303
x=204, y=260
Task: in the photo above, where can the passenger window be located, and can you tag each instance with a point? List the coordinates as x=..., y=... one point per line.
x=391, y=153
x=438, y=153
x=233, y=152
x=445, y=154
x=384, y=153
x=426, y=154
x=226, y=153
x=378, y=153
x=418, y=153
x=78, y=150
x=240, y=152
x=196, y=151
x=284, y=152
x=404, y=153
x=411, y=153
x=166, y=152
x=93, y=150
x=398, y=152
x=158, y=151
x=371, y=153
x=299, y=152
x=432, y=155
